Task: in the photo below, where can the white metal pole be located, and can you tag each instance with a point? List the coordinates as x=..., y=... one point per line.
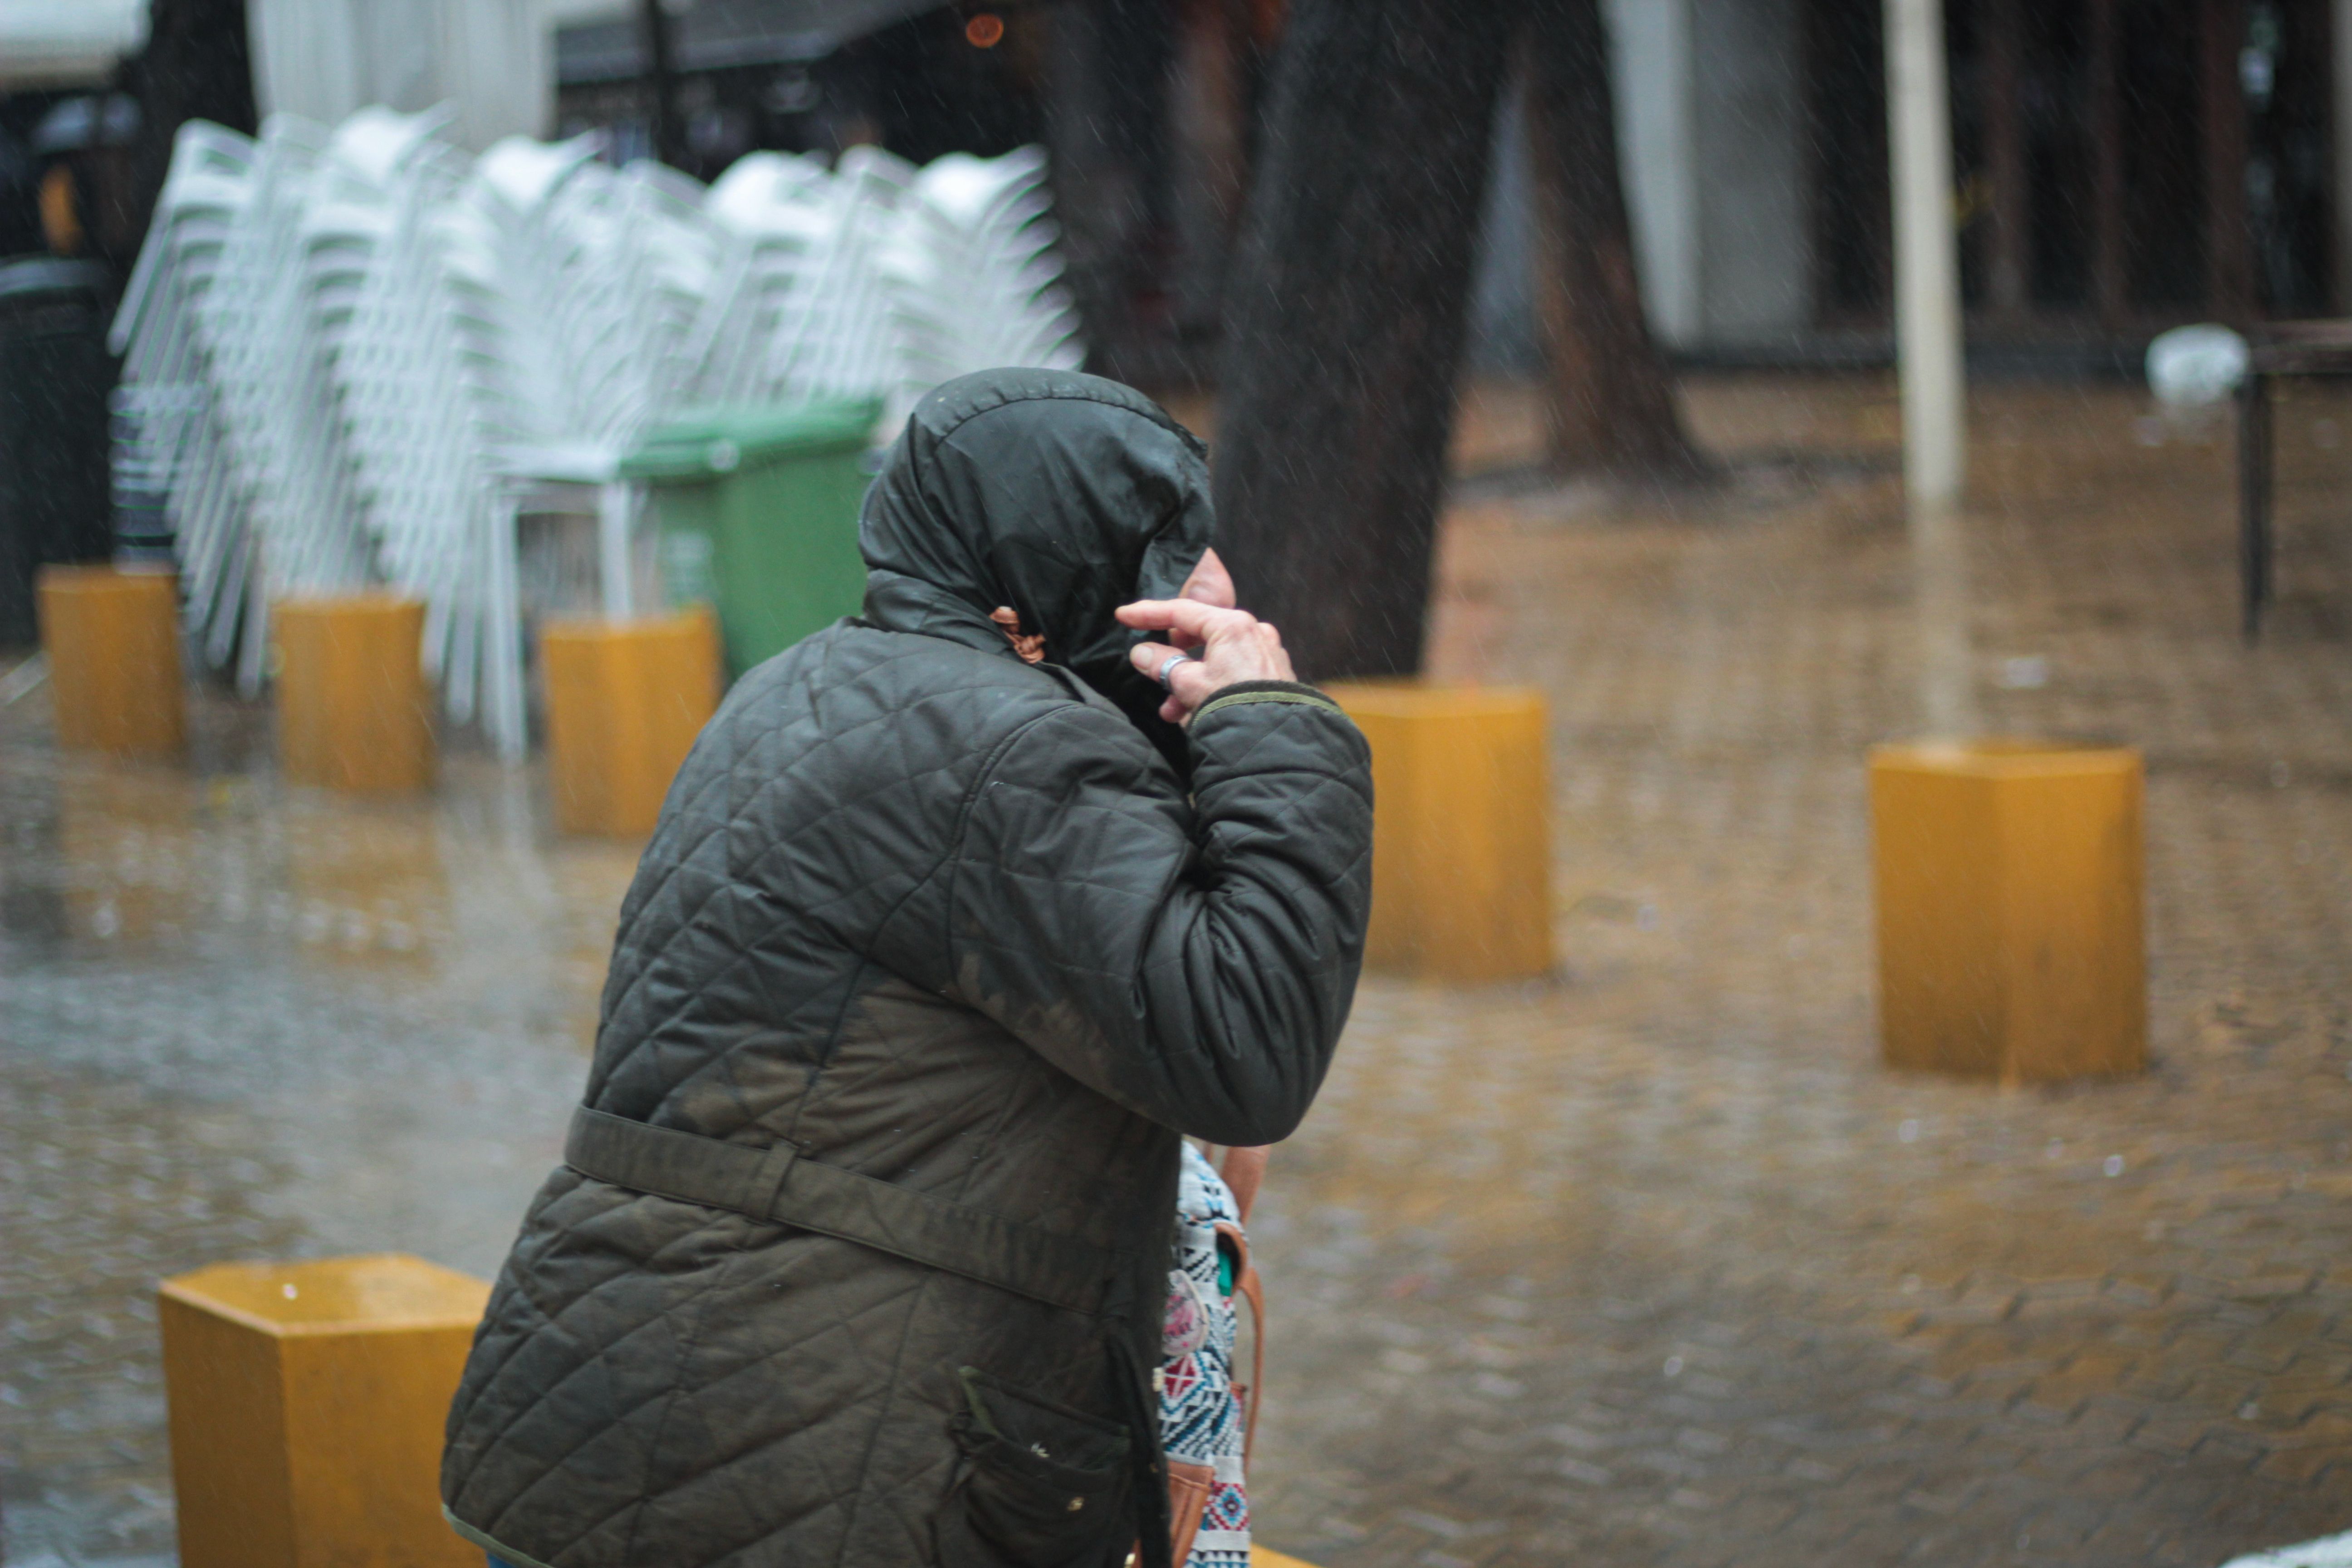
x=1927, y=255
x=615, y=512
x=1929, y=366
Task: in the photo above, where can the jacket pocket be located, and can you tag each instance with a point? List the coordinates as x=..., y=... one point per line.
x=1040, y=1485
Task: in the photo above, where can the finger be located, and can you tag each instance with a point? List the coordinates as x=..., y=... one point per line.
x=1147, y=657
x=1277, y=658
x=1189, y=616
x=1190, y=684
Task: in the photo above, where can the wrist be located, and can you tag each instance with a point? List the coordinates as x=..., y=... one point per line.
x=1240, y=693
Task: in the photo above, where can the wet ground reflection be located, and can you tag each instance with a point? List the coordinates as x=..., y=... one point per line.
x=1657, y=1265
x=241, y=1020
x=1650, y=1263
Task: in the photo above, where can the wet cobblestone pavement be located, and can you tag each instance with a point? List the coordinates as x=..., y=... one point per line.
x=1649, y=1264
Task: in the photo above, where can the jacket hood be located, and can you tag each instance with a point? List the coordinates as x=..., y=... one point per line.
x=1060, y=494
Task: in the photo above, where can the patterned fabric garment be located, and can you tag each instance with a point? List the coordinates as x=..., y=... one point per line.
x=1199, y=1413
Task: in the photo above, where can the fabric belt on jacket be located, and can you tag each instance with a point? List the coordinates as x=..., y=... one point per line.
x=779, y=1186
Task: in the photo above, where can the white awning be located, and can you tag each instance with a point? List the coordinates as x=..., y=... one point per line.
x=490, y=61
x=67, y=43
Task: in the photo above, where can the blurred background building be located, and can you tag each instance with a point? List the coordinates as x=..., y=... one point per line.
x=2124, y=165
x=489, y=58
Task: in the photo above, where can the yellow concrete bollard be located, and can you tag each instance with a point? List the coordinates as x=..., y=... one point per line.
x=2010, y=937
x=354, y=713
x=307, y=1402
x=113, y=645
x=624, y=702
x=1461, y=829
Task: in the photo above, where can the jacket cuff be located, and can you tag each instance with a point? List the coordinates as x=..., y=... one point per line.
x=1248, y=692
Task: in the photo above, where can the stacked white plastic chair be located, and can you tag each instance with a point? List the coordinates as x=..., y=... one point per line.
x=606, y=276
x=236, y=320
x=973, y=276
x=633, y=288
x=422, y=379
x=273, y=347
x=802, y=287
x=170, y=435
x=354, y=359
x=383, y=177
x=773, y=211
x=246, y=326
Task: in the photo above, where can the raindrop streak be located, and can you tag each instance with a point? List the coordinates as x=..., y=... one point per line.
x=2113, y=1165
x=1673, y=1366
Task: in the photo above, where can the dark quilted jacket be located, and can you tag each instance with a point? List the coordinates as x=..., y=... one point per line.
x=968, y=926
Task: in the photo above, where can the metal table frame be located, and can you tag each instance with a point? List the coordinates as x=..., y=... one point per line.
x=2280, y=349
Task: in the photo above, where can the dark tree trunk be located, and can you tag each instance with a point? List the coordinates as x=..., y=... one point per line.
x=1106, y=112
x=1609, y=398
x=196, y=66
x=1209, y=131
x=1347, y=310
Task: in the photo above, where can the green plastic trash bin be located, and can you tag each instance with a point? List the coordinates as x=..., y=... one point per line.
x=756, y=510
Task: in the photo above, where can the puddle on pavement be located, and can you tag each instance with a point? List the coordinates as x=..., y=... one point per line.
x=1548, y=1264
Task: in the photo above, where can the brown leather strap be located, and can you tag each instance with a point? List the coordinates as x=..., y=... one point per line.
x=1247, y=1287
x=1250, y=1291
x=1187, y=1498
x=1243, y=1169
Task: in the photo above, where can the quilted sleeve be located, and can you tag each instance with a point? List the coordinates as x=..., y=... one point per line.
x=1194, y=961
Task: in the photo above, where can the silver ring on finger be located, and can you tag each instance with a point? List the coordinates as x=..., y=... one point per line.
x=1169, y=668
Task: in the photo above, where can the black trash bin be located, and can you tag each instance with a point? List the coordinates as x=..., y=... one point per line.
x=55, y=374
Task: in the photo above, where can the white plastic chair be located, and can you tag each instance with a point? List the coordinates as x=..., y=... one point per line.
x=355, y=358
x=974, y=278
x=171, y=442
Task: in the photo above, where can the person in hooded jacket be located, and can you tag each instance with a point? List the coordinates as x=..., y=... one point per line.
x=960, y=915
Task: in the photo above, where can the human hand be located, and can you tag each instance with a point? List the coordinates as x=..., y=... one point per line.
x=1223, y=646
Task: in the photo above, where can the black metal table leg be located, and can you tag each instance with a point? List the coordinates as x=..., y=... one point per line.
x=2255, y=459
